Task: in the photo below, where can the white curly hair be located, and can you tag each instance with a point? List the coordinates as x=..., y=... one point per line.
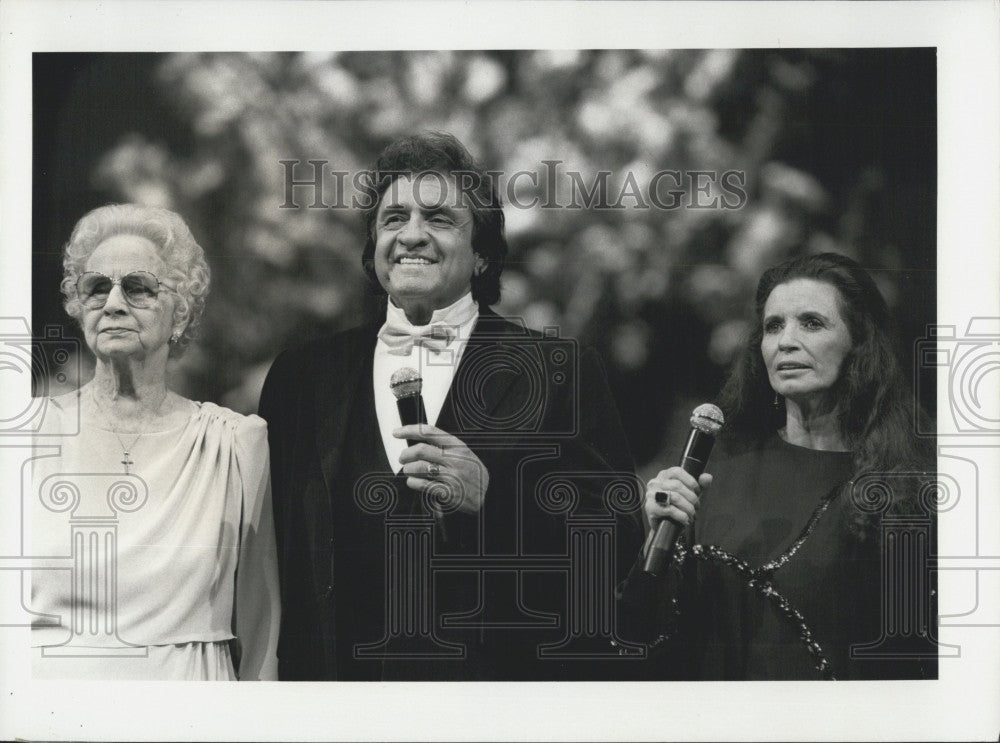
x=175, y=246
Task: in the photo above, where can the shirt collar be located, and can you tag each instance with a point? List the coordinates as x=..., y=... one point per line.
x=455, y=315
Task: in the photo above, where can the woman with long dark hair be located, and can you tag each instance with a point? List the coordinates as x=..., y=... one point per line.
x=785, y=573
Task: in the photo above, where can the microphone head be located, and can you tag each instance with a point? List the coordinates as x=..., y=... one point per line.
x=406, y=382
x=707, y=418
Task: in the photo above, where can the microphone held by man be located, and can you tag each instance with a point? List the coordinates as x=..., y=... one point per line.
x=406, y=385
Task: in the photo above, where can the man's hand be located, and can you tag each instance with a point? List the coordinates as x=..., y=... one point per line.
x=441, y=462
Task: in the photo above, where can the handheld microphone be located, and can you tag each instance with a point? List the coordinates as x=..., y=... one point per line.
x=706, y=422
x=406, y=385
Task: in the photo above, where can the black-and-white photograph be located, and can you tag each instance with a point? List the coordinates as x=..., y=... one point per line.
x=644, y=364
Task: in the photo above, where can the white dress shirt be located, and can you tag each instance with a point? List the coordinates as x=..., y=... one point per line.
x=437, y=368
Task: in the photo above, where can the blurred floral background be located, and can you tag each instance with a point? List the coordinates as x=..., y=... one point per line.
x=836, y=149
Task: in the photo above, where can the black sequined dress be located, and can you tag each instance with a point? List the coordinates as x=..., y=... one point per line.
x=773, y=584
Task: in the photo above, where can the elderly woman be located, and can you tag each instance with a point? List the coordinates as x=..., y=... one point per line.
x=781, y=575
x=163, y=503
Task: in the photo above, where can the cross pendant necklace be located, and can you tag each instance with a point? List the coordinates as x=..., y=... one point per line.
x=126, y=460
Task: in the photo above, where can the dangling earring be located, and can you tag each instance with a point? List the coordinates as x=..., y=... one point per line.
x=176, y=337
x=777, y=402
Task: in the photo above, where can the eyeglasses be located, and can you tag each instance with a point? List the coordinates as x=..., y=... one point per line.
x=140, y=289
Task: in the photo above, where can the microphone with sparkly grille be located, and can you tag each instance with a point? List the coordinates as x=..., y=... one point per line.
x=406, y=385
x=706, y=422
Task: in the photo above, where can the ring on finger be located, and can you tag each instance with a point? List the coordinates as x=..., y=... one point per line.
x=664, y=498
x=433, y=470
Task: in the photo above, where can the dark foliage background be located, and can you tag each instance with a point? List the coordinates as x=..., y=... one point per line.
x=838, y=148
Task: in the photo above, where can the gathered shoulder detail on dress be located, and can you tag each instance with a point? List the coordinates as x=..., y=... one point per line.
x=230, y=418
x=245, y=437
x=257, y=606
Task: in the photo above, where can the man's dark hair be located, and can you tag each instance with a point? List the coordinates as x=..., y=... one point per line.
x=437, y=152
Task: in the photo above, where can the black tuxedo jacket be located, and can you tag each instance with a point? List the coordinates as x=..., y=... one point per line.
x=537, y=411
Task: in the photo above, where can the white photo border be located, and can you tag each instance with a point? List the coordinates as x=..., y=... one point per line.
x=965, y=35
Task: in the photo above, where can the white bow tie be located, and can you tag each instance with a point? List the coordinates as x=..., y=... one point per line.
x=400, y=338
x=400, y=335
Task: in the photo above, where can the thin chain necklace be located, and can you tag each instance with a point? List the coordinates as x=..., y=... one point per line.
x=125, y=450
x=126, y=460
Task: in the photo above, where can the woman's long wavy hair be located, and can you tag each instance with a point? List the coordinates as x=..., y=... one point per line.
x=876, y=409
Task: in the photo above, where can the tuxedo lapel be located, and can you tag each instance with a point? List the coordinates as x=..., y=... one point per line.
x=473, y=387
x=335, y=393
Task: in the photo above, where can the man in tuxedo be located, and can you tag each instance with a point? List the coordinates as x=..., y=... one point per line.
x=442, y=551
